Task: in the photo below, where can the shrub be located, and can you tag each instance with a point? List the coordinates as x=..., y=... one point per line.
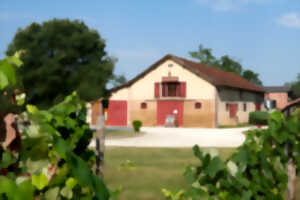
x=137, y=124
x=259, y=117
x=256, y=170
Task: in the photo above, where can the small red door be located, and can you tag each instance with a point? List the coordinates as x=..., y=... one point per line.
x=117, y=113
x=233, y=110
x=168, y=107
x=257, y=106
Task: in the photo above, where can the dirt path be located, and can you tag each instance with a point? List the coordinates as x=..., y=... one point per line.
x=182, y=137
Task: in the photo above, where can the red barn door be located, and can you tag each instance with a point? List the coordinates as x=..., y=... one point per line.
x=117, y=113
x=167, y=107
x=233, y=110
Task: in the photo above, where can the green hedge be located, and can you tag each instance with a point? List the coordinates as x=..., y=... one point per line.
x=259, y=117
x=137, y=124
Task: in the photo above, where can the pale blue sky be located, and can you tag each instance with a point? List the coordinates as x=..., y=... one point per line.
x=262, y=34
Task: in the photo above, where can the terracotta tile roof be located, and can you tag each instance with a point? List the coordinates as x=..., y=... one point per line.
x=292, y=103
x=219, y=77
x=213, y=75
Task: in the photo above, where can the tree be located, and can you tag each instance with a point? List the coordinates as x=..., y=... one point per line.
x=205, y=56
x=118, y=80
x=61, y=56
x=230, y=65
x=252, y=77
x=295, y=87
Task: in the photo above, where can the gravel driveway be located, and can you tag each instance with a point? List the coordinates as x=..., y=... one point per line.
x=182, y=137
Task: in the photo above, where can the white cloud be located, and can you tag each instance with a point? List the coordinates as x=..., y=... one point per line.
x=227, y=5
x=291, y=20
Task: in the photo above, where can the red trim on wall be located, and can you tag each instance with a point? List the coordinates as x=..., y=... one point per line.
x=117, y=113
x=183, y=89
x=167, y=107
x=170, y=79
x=156, y=89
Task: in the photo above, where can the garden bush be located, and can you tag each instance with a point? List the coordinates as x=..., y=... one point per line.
x=137, y=124
x=259, y=117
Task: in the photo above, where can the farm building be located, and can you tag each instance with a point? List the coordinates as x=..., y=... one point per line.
x=194, y=94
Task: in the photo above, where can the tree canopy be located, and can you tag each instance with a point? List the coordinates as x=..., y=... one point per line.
x=226, y=63
x=252, y=77
x=118, y=80
x=61, y=56
x=295, y=87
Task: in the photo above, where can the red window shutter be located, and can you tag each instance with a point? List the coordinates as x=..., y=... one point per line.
x=156, y=89
x=178, y=90
x=183, y=89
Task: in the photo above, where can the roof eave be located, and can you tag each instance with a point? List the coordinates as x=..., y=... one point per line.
x=240, y=88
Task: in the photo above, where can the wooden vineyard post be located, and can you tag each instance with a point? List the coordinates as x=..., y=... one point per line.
x=100, y=138
x=292, y=176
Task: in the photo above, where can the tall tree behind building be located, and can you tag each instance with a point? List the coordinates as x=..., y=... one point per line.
x=226, y=63
x=295, y=87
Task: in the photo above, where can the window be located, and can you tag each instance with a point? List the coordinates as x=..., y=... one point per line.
x=245, y=107
x=198, y=105
x=143, y=105
x=171, y=89
x=227, y=106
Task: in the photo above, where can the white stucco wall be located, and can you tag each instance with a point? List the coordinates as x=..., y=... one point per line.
x=122, y=94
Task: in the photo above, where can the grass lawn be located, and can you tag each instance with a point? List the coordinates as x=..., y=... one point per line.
x=156, y=168
x=120, y=133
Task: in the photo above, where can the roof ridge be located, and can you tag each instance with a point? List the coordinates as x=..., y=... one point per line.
x=205, y=65
x=218, y=70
